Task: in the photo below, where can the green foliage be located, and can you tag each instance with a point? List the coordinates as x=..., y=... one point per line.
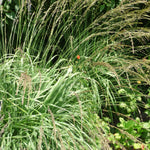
x=9, y=9
x=135, y=130
x=53, y=110
x=74, y=74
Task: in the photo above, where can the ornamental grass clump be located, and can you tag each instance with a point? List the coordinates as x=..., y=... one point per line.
x=53, y=115
x=86, y=85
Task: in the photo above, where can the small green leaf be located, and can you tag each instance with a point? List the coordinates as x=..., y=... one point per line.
x=11, y=15
x=137, y=145
x=147, y=106
x=129, y=124
x=123, y=105
x=129, y=110
x=102, y=7
x=7, y=6
x=146, y=125
x=16, y=7
x=121, y=91
x=117, y=136
x=147, y=112
x=121, y=120
x=139, y=98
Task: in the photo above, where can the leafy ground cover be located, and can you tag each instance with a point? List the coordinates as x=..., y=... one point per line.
x=75, y=75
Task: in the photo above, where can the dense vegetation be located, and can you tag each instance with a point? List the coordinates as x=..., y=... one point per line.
x=74, y=74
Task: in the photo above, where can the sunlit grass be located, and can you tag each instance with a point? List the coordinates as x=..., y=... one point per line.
x=67, y=80
x=50, y=112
